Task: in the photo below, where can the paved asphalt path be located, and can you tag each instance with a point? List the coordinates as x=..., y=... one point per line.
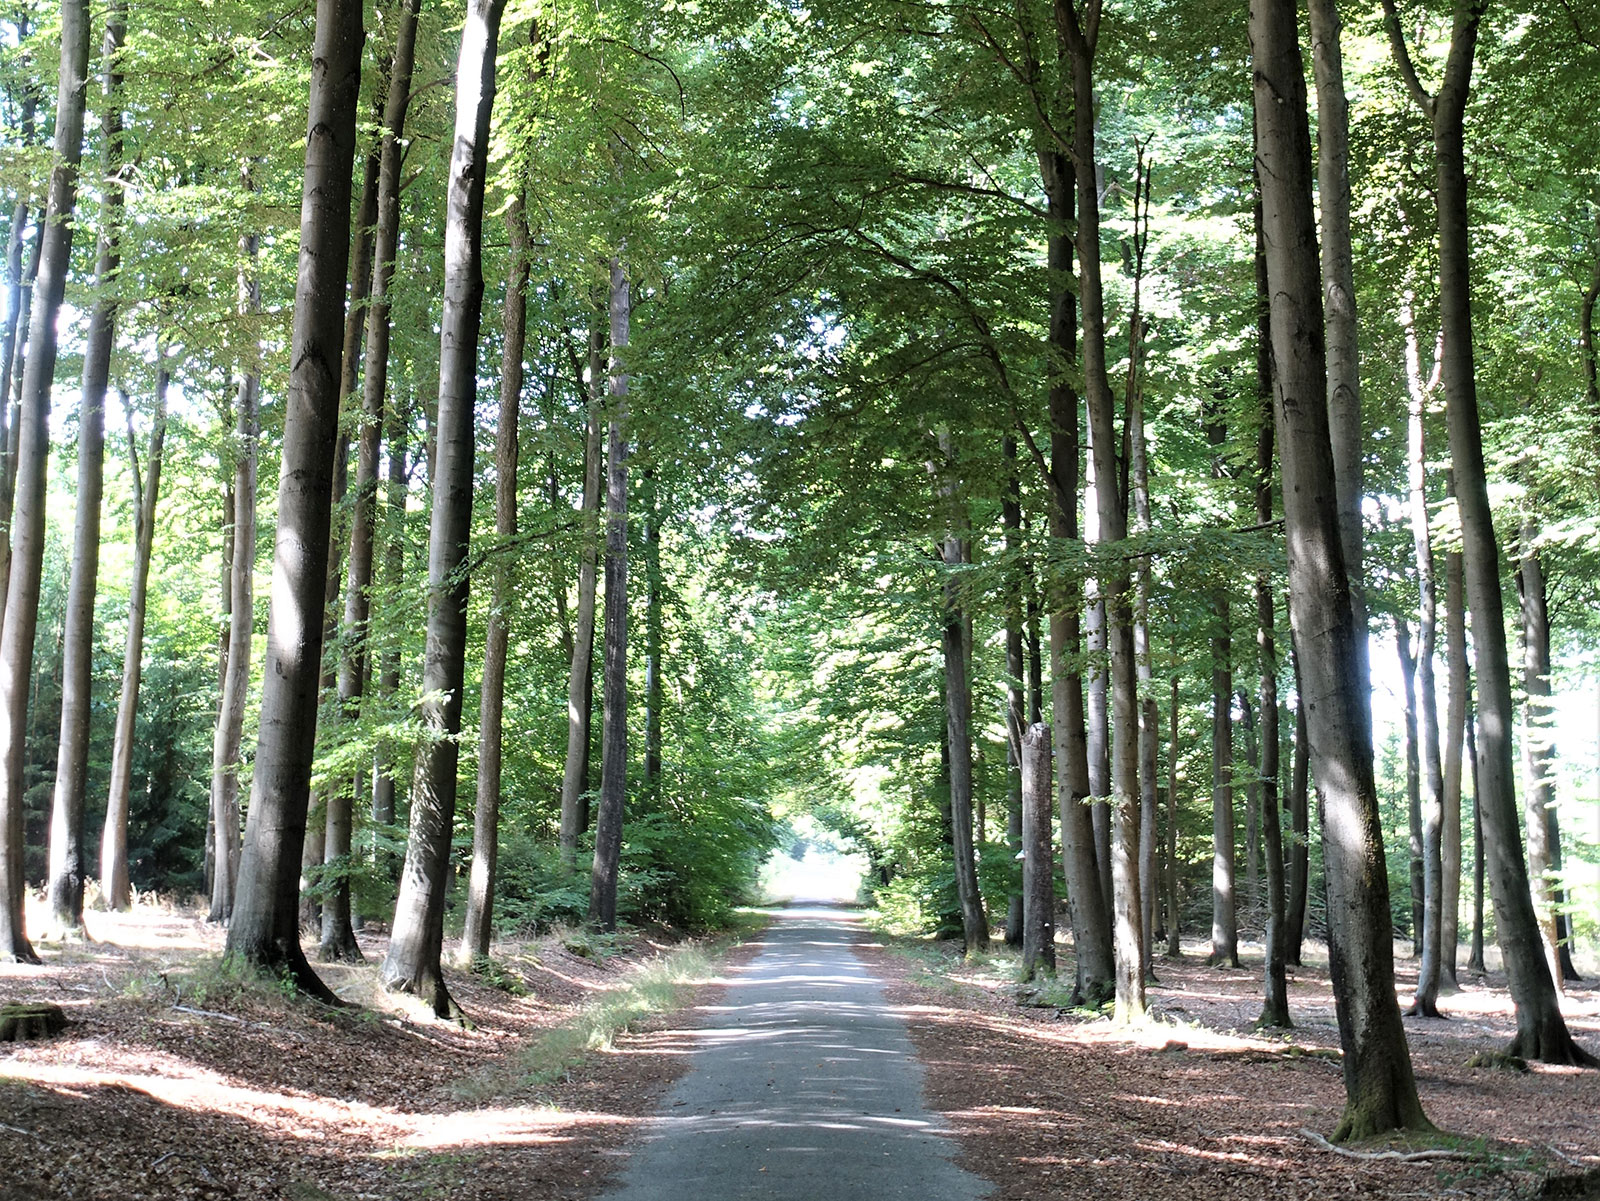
x=803, y=1087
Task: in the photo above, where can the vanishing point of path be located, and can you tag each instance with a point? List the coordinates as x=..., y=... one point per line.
x=802, y=1087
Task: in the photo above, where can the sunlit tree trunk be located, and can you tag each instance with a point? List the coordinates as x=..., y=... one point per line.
x=32, y=464
x=1016, y=700
x=1224, y=919
x=1038, y=863
x=580, y=679
x=614, y=715
x=265, y=930
x=396, y=487
x=114, y=883
x=1174, y=916
x=1458, y=690
x=1538, y=754
x=1380, y=1089
x=19, y=297
x=1541, y=1030
x=1413, y=760
x=68, y=869
x=416, y=946
x=1300, y=826
x=479, y=922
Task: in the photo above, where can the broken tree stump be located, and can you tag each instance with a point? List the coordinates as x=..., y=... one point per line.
x=21, y=1021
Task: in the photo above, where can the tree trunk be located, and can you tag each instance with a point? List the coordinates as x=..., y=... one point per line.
x=32, y=464
x=265, y=930
x=1016, y=700
x=614, y=715
x=229, y=734
x=19, y=298
x=1339, y=295
x=338, y=942
x=958, y=735
x=1541, y=1030
x=479, y=923
x=1454, y=738
x=1252, y=801
x=1300, y=825
x=1431, y=793
x=1174, y=918
x=394, y=560
x=114, y=882
x=68, y=869
x=580, y=680
x=1224, y=918
x=1380, y=1089
x=1408, y=679
x=1538, y=754
x=1038, y=863
x=1475, y=954
x=417, y=943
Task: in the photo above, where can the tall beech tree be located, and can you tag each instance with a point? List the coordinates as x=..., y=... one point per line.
x=415, y=948
x=114, y=884
x=265, y=928
x=32, y=462
x=1380, y=1090
x=614, y=714
x=486, y=811
x=68, y=869
x=1541, y=1030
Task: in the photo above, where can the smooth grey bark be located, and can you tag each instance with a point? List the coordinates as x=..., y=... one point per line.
x=1413, y=760
x=68, y=867
x=580, y=678
x=1380, y=1089
x=1300, y=826
x=32, y=463
x=1016, y=699
x=1541, y=1030
x=479, y=923
x=396, y=485
x=338, y=942
x=1038, y=860
x=228, y=737
x=1431, y=780
x=1082, y=40
x=614, y=714
x=1457, y=690
x=1174, y=920
x=19, y=298
x=1475, y=952
x=265, y=929
x=1538, y=754
x=114, y=884
x=416, y=945
x=653, y=692
x=1224, y=913
x=958, y=714
x=1339, y=299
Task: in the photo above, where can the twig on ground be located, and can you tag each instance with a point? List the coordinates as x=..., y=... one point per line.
x=211, y=1013
x=162, y=1160
x=1401, y=1156
x=17, y=1130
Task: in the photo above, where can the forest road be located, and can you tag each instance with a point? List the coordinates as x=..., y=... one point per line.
x=803, y=1086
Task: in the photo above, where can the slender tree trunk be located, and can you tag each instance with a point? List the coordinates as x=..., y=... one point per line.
x=1252, y=801
x=32, y=463
x=1541, y=1030
x=1431, y=792
x=19, y=297
x=68, y=867
x=417, y=943
x=265, y=930
x=1413, y=757
x=580, y=680
x=1475, y=960
x=1538, y=755
x=486, y=812
x=228, y=737
x=1454, y=738
x=394, y=559
x=114, y=842
x=1224, y=919
x=1380, y=1089
x=1174, y=921
x=1300, y=824
x=614, y=716
x=1016, y=700
x=1038, y=863
x=379, y=251
x=652, y=630
x=1339, y=297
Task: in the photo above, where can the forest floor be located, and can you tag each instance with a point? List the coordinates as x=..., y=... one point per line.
x=177, y=1082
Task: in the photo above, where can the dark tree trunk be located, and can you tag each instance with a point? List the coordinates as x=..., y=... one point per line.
x=1016, y=700
x=1541, y=1030
x=1454, y=738
x=1174, y=917
x=1408, y=680
x=653, y=693
x=1380, y=1090
x=114, y=842
x=614, y=714
x=1038, y=863
x=1224, y=917
x=68, y=869
x=580, y=679
x=479, y=923
x=338, y=943
x=32, y=464
x=265, y=930
x=1538, y=754
x=416, y=946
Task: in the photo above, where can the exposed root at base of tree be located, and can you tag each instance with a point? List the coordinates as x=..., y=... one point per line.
x=1401, y=1156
